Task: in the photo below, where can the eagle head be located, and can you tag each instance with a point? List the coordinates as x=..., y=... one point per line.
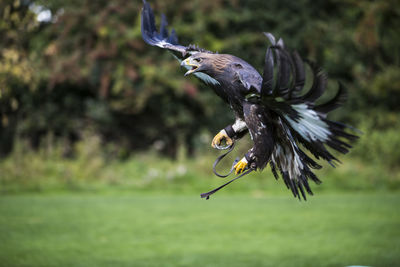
x=198, y=62
x=211, y=64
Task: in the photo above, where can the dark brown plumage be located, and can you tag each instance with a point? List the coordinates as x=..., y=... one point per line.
x=273, y=107
x=233, y=76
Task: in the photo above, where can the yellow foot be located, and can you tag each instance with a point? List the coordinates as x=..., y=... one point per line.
x=240, y=166
x=219, y=138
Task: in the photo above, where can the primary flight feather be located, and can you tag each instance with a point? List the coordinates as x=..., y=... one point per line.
x=282, y=121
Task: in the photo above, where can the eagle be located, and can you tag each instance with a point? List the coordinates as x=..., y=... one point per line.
x=288, y=129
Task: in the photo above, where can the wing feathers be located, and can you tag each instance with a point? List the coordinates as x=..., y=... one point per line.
x=163, y=39
x=270, y=37
x=173, y=39
x=163, y=27
x=284, y=72
x=148, y=24
x=319, y=84
x=268, y=75
x=335, y=102
x=301, y=122
x=300, y=72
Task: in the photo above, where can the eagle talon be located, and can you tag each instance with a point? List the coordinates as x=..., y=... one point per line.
x=240, y=166
x=222, y=135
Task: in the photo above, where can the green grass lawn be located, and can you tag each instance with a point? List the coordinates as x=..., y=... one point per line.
x=227, y=230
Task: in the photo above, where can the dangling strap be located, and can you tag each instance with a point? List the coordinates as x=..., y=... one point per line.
x=208, y=194
x=231, y=147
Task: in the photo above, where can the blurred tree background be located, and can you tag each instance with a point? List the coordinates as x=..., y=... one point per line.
x=105, y=146
x=77, y=73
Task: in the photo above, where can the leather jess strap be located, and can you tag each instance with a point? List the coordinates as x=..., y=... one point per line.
x=231, y=147
x=230, y=131
x=208, y=194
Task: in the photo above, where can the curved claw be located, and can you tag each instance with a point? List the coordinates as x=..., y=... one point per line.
x=240, y=166
x=218, y=139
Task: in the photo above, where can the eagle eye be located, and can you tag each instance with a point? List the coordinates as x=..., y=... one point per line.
x=197, y=59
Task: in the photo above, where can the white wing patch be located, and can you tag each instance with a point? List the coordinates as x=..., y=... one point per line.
x=309, y=126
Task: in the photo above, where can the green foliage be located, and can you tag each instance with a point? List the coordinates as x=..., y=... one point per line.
x=16, y=26
x=99, y=168
x=87, y=70
x=380, y=146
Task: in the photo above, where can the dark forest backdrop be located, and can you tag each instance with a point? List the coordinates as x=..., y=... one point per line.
x=105, y=146
x=85, y=71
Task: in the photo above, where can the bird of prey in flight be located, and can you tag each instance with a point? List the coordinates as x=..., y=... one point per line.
x=283, y=121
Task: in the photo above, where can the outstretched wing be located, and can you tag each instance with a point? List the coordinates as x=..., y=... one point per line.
x=163, y=38
x=301, y=124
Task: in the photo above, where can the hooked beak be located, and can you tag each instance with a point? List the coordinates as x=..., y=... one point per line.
x=190, y=65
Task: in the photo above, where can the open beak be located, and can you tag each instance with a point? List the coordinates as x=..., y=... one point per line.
x=190, y=65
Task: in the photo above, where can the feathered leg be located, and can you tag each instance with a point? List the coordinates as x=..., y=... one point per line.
x=257, y=119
